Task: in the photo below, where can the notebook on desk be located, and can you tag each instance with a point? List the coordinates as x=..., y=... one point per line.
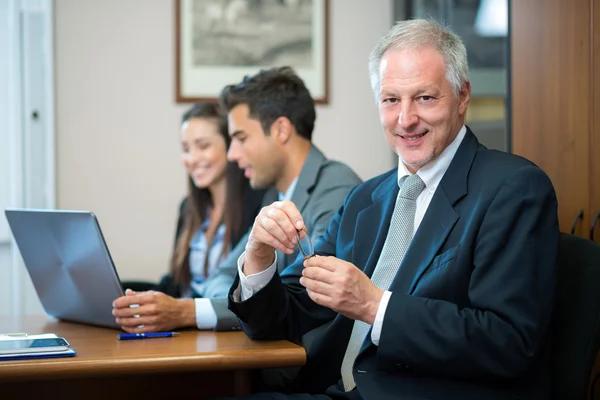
x=69, y=263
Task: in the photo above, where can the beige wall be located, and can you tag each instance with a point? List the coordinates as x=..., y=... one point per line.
x=117, y=122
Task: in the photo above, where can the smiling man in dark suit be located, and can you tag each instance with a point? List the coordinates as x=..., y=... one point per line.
x=434, y=280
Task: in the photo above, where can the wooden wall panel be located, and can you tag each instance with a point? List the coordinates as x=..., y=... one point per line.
x=595, y=128
x=550, y=73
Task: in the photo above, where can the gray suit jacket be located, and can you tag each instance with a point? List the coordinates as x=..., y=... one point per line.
x=320, y=191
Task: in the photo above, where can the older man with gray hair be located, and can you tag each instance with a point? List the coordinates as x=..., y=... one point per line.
x=434, y=280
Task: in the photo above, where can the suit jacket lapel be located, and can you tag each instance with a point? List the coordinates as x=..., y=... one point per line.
x=304, y=187
x=307, y=178
x=439, y=218
x=435, y=227
x=368, y=234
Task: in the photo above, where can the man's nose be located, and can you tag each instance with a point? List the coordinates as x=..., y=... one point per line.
x=408, y=117
x=233, y=153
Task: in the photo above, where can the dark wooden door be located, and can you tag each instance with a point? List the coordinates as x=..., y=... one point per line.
x=595, y=128
x=551, y=97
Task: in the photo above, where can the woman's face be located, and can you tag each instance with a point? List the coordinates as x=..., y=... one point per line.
x=204, y=152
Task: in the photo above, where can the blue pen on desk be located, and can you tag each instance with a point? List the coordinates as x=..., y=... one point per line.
x=150, y=335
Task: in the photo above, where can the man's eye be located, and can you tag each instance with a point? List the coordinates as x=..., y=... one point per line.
x=390, y=100
x=426, y=98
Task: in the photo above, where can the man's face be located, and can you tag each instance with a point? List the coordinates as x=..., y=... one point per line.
x=419, y=112
x=254, y=152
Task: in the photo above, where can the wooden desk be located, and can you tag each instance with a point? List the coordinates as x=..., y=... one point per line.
x=198, y=365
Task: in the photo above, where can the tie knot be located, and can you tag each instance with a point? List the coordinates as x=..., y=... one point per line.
x=411, y=188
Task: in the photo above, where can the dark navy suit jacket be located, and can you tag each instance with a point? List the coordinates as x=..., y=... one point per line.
x=471, y=303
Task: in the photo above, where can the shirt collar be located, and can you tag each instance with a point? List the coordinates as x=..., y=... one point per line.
x=289, y=192
x=432, y=173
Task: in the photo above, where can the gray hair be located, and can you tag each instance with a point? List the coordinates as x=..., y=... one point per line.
x=418, y=33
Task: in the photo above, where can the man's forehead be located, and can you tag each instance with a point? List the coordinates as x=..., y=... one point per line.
x=410, y=54
x=240, y=111
x=407, y=64
x=240, y=121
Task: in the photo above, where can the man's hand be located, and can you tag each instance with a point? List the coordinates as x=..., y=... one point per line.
x=153, y=312
x=275, y=227
x=341, y=286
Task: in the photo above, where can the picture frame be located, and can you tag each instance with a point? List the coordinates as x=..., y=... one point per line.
x=219, y=42
x=487, y=54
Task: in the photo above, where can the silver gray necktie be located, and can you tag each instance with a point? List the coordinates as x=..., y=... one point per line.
x=396, y=243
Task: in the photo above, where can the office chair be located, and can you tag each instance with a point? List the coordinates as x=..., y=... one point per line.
x=576, y=318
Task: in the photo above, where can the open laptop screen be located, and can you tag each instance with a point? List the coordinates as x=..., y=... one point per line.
x=69, y=263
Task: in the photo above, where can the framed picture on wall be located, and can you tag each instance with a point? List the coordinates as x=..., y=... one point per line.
x=483, y=27
x=219, y=42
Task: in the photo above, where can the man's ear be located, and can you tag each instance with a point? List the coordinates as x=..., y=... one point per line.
x=463, y=98
x=282, y=130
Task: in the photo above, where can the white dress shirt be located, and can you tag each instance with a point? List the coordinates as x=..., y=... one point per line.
x=206, y=317
x=431, y=174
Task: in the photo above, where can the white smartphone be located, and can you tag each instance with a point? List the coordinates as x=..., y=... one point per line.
x=21, y=346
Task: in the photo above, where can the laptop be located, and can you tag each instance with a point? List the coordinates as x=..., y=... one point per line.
x=68, y=262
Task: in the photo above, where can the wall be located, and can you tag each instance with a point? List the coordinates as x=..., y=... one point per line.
x=117, y=123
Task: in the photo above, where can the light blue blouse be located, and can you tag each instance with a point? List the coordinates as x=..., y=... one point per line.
x=198, y=249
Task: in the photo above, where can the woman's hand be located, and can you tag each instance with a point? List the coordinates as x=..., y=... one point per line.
x=151, y=311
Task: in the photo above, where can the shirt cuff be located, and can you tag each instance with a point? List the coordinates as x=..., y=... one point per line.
x=378, y=324
x=206, y=318
x=250, y=285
